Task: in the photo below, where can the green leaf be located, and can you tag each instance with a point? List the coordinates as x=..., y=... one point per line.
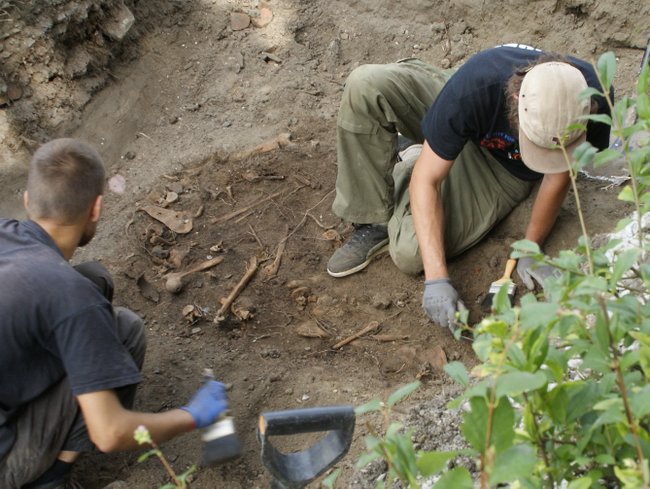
x=458, y=478
x=475, y=423
x=517, y=462
x=149, y=453
x=581, y=483
x=640, y=402
x=369, y=407
x=627, y=194
x=503, y=421
x=402, y=393
x=524, y=247
x=643, y=106
x=331, y=479
x=367, y=458
x=606, y=69
x=606, y=156
x=538, y=314
x=458, y=372
x=430, y=463
x=515, y=383
x=602, y=118
x=624, y=261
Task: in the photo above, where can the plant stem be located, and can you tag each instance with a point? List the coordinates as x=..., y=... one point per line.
x=168, y=468
x=583, y=226
x=620, y=382
x=542, y=448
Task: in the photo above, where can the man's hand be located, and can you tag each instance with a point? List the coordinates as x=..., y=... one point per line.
x=440, y=301
x=530, y=271
x=208, y=403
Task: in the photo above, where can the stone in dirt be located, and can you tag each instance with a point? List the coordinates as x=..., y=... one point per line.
x=264, y=19
x=239, y=21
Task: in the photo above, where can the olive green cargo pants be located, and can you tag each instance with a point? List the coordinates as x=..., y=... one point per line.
x=380, y=100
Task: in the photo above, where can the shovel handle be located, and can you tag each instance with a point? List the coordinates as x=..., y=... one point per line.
x=295, y=470
x=308, y=420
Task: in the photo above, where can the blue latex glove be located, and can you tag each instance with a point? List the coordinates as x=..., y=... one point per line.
x=207, y=403
x=531, y=271
x=440, y=302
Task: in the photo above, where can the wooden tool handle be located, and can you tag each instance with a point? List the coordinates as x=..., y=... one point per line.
x=510, y=266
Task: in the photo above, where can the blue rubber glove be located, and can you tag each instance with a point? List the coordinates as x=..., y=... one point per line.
x=207, y=403
x=440, y=302
x=531, y=271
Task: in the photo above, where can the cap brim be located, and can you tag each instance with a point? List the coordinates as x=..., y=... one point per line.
x=547, y=160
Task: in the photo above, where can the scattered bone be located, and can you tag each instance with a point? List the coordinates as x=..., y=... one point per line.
x=257, y=238
x=331, y=235
x=292, y=284
x=217, y=248
x=252, y=176
x=231, y=215
x=199, y=211
x=243, y=309
x=387, y=338
x=272, y=270
x=178, y=221
x=281, y=140
x=251, y=268
x=192, y=313
x=371, y=326
x=173, y=281
x=177, y=255
x=309, y=329
x=300, y=292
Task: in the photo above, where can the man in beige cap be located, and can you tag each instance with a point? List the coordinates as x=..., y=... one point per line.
x=489, y=131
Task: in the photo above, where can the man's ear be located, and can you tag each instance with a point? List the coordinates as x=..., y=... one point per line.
x=96, y=209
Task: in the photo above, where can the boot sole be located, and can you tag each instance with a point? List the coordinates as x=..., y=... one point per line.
x=361, y=266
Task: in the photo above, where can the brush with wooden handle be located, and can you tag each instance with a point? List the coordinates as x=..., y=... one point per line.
x=505, y=280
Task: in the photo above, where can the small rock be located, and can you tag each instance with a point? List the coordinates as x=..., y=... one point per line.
x=129, y=155
x=239, y=21
x=121, y=22
x=173, y=119
x=171, y=197
x=14, y=91
x=381, y=301
x=265, y=17
x=445, y=64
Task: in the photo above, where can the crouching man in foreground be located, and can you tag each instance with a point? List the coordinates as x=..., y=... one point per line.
x=69, y=361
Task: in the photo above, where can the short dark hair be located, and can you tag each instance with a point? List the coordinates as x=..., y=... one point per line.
x=65, y=177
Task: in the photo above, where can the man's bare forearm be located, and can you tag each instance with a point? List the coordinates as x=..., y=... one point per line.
x=428, y=213
x=546, y=208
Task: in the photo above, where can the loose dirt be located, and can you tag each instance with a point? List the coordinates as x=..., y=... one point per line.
x=226, y=133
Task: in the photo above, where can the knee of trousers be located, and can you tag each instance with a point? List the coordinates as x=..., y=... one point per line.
x=407, y=258
x=366, y=80
x=130, y=328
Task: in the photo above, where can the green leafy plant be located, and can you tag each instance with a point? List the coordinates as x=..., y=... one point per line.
x=143, y=437
x=561, y=396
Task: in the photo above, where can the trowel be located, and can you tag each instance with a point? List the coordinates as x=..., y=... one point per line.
x=295, y=470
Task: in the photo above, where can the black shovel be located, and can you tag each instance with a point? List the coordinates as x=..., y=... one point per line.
x=297, y=469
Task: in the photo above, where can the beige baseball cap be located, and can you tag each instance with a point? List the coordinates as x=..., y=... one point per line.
x=548, y=104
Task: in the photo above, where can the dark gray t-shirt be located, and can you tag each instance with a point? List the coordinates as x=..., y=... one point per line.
x=472, y=107
x=55, y=324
